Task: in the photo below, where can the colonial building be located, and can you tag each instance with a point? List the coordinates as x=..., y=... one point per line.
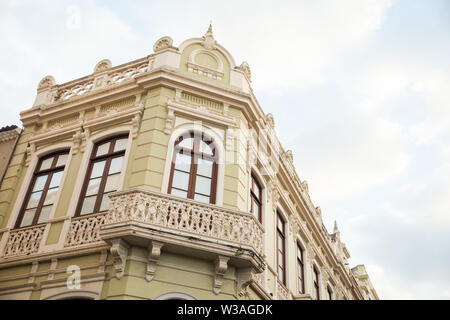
x=162, y=178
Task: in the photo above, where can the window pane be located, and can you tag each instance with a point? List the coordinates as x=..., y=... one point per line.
x=121, y=144
x=88, y=205
x=187, y=143
x=204, y=167
x=34, y=199
x=56, y=179
x=179, y=193
x=180, y=180
x=256, y=210
x=103, y=149
x=201, y=198
x=93, y=186
x=62, y=160
x=97, y=169
x=280, y=259
x=112, y=184
x=203, y=185
x=183, y=162
x=51, y=196
x=105, y=203
x=28, y=217
x=46, y=164
x=116, y=165
x=299, y=253
x=205, y=148
x=45, y=213
x=40, y=183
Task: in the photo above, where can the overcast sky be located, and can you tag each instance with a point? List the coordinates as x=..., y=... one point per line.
x=360, y=91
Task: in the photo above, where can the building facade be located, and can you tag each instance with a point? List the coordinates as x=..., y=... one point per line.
x=9, y=136
x=162, y=178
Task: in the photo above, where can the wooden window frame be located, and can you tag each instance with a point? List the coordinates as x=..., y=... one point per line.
x=92, y=160
x=281, y=232
x=330, y=293
x=195, y=154
x=316, y=282
x=37, y=173
x=300, y=269
x=254, y=197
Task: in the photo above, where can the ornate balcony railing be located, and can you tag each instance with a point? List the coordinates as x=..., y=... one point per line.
x=84, y=230
x=24, y=241
x=186, y=216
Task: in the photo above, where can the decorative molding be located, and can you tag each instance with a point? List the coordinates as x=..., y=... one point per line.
x=34, y=269
x=221, y=269
x=46, y=83
x=154, y=252
x=31, y=149
x=208, y=40
x=119, y=251
x=162, y=43
x=246, y=69
x=53, y=266
x=103, y=65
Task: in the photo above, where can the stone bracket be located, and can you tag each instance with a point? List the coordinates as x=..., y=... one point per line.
x=119, y=251
x=154, y=252
x=244, y=280
x=221, y=268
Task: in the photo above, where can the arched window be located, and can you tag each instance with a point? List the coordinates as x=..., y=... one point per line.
x=193, y=173
x=42, y=191
x=256, y=199
x=103, y=175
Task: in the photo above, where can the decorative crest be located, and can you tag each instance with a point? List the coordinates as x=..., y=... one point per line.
x=208, y=39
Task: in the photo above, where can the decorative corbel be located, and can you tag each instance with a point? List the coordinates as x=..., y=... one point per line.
x=84, y=139
x=135, y=125
x=31, y=149
x=275, y=196
x=244, y=279
x=154, y=252
x=119, y=251
x=221, y=268
x=76, y=143
x=169, y=121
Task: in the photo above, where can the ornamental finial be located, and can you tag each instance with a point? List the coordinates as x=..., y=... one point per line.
x=335, y=229
x=208, y=39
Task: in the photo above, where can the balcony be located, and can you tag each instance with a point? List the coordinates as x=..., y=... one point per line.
x=140, y=217
x=160, y=222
